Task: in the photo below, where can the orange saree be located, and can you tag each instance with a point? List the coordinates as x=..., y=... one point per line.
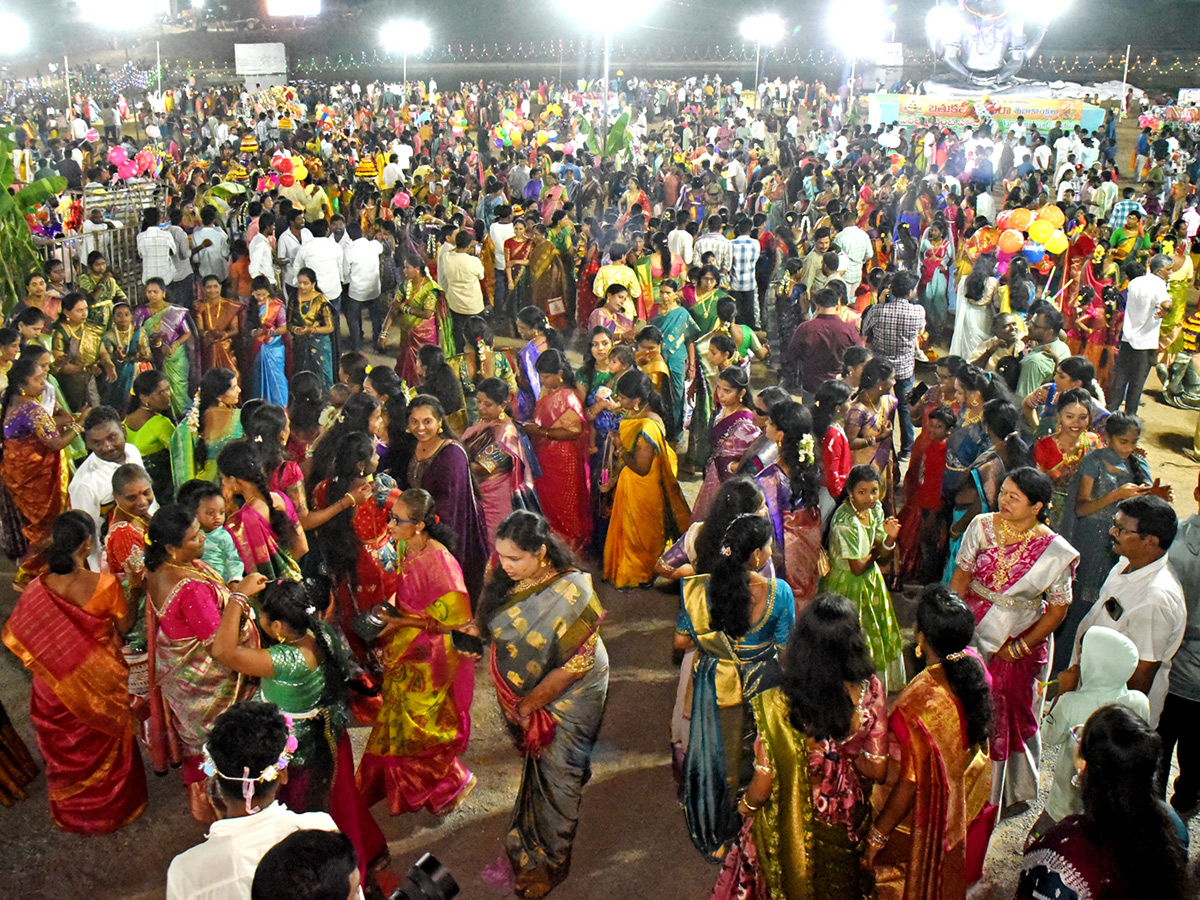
x=221, y=316
x=80, y=705
x=937, y=850
x=36, y=480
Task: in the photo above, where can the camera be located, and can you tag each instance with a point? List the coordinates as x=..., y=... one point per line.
x=428, y=879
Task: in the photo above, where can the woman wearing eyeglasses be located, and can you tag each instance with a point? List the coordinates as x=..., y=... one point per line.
x=412, y=754
x=1014, y=573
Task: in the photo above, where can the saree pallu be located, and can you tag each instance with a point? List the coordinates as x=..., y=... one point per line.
x=730, y=437
x=678, y=328
x=870, y=423
x=218, y=354
x=417, y=331
x=194, y=687
x=314, y=352
x=791, y=852
x=488, y=444
x=728, y=674
x=649, y=511
x=259, y=547
x=563, y=487
x=937, y=850
x=803, y=552
x=80, y=706
x=411, y=757
x=36, y=481
x=548, y=283
x=534, y=631
x=531, y=381
x=183, y=449
x=178, y=364
x=447, y=477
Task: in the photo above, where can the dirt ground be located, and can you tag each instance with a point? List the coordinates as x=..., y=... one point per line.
x=632, y=842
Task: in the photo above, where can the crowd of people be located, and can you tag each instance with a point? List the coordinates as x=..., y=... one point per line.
x=236, y=537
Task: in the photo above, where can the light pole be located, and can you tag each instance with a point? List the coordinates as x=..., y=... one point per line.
x=765, y=28
x=407, y=35
x=863, y=37
x=612, y=13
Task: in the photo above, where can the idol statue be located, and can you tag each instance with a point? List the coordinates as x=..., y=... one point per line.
x=985, y=42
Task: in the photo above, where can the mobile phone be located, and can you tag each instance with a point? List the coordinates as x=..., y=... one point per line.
x=1114, y=608
x=466, y=643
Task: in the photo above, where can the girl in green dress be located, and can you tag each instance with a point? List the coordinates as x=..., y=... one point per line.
x=149, y=428
x=859, y=536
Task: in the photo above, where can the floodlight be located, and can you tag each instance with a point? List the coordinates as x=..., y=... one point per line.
x=16, y=34
x=861, y=36
x=765, y=28
x=611, y=15
x=405, y=36
x=293, y=7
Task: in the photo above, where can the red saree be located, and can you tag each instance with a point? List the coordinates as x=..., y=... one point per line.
x=36, y=480
x=564, y=488
x=937, y=850
x=80, y=706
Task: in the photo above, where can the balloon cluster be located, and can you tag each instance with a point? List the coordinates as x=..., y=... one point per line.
x=1148, y=120
x=146, y=161
x=1036, y=236
x=510, y=131
x=289, y=170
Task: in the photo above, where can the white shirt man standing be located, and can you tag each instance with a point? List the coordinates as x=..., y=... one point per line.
x=362, y=267
x=1146, y=302
x=262, y=260
x=500, y=231
x=462, y=281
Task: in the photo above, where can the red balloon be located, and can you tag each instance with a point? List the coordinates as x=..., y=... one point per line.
x=285, y=165
x=287, y=179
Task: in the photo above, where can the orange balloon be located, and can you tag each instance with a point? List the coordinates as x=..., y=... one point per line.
x=1011, y=241
x=1053, y=215
x=1021, y=219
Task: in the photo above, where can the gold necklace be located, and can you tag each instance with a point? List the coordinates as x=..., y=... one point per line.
x=970, y=418
x=1008, y=537
x=123, y=338
x=526, y=584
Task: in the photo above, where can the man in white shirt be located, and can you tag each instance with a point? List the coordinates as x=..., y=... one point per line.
x=96, y=237
x=211, y=247
x=713, y=241
x=680, y=241
x=324, y=257
x=500, y=231
x=392, y=172
x=1145, y=305
x=90, y=489
x=262, y=260
x=362, y=257
x=1141, y=598
x=248, y=736
x=287, y=248
x=157, y=249
x=462, y=281
x=1041, y=156
x=855, y=245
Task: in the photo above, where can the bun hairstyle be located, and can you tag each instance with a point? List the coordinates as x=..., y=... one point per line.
x=495, y=390
x=729, y=587
x=424, y=509
x=71, y=530
x=145, y=384
x=827, y=651
x=300, y=605
x=973, y=378
x=242, y=460
x=1036, y=486
x=948, y=626
x=168, y=528
x=636, y=385
x=1002, y=419
x=554, y=362
x=874, y=373
x=530, y=532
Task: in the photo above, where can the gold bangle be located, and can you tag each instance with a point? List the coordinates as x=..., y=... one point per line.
x=749, y=808
x=350, y=497
x=763, y=770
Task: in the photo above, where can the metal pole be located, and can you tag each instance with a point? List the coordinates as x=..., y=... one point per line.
x=158, y=65
x=604, y=115
x=1125, y=80
x=757, y=57
x=67, y=75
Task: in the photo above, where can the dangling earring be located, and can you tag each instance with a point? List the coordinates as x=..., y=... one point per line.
x=918, y=652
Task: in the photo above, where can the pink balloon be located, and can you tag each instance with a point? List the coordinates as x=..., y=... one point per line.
x=403, y=199
x=144, y=161
x=92, y=136
x=568, y=148
x=127, y=169
x=117, y=155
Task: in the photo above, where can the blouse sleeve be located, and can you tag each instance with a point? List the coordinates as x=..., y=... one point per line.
x=875, y=704
x=972, y=543
x=198, y=609
x=849, y=540
x=785, y=618
x=1059, y=593
x=288, y=662
x=43, y=424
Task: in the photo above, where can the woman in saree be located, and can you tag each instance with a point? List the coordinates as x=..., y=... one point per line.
x=549, y=666
x=169, y=330
x=973, y=388
x=65, y=630
x=412, y=754
x=149, y=428
x=559, y=432
x=794, y=480
x=129, y=351
x=931, y=832
x=267, y=350
x=189, y=689
x=481, y=360
x=1059, y=454
x=310, y=324
x=441, y=466
x=79, y=354
x=303, y=671
x=649, y=510
x=596, y=389
x=32, y=466
x=822, y=741
x=208, y=427
x=701, y=300
x=611, y=314
x=416, y=307
x=1014, y=574
x=632, y=196
x=547, y=279
x=732, y=432
x=679, y=331
x=497, y=455
x=218, y=321
x=937, y=254
x=534, y=328
x=739, y=621
x=517, y=251
x=264, y=526
x=859, y=538
x=552, y=198
x=566, y=241
x=869, y=424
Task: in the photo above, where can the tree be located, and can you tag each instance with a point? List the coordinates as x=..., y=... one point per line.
x=19, y=255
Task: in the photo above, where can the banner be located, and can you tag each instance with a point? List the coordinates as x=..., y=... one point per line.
x=260, y=59
x=913, y=109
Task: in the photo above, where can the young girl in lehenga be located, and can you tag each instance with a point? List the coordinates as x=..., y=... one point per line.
x=860, y=536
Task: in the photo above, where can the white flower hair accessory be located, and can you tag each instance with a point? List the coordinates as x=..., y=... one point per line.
x=270, y=773
x=806, y=449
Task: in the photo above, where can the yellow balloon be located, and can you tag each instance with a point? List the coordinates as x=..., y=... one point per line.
x=300, y=172
x=1041, y=231
x=1057, y=243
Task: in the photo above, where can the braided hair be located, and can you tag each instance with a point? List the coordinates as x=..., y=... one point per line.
x=729, y=585
x=242, y=460
x=300, y=605
x=948, y=626
x=351, y=461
